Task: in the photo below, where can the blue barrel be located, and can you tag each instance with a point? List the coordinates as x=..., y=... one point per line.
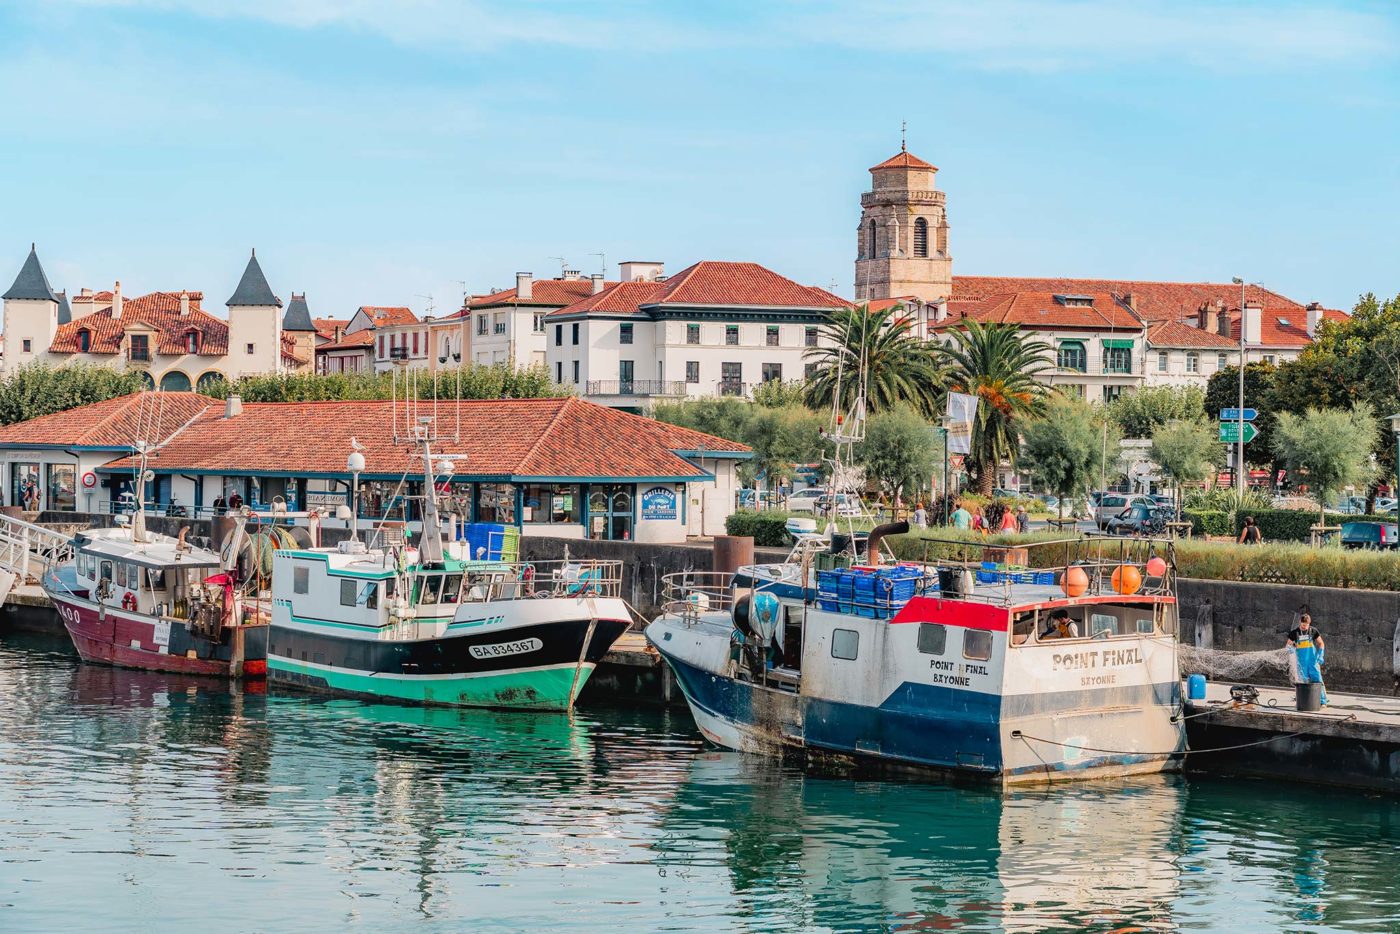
x=1196, y=687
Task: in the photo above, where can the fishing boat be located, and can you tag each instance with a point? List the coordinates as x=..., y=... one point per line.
x=138, y=599
x=1041, y=663
x=448, y=622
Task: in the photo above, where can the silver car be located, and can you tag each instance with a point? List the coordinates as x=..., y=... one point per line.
x=1116, y=504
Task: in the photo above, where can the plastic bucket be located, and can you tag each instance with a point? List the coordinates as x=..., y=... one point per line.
x=1196, y=687
x=1309, y=695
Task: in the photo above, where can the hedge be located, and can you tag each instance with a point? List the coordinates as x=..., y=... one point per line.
x=1293, y=525
x=767, y=528
x=1208, y=521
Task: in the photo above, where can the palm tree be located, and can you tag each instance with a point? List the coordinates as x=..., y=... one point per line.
x=999, y=365
x=881, y=347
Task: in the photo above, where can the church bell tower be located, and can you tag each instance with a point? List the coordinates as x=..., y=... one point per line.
x=902, y=241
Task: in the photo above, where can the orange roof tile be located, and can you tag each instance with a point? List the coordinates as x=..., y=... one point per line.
x=1284, y=328
x=509, y=438
x=903, y=160
x=709, y=282
x=115, y=423
x=1154, y=301
x=158, y=310
x=1181, y=334
x=327, y=327
x=1043, y=310
x=556, y=292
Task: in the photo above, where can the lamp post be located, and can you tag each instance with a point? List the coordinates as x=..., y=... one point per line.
x=1395, y=427
x=1239, y=470
x=944, y=422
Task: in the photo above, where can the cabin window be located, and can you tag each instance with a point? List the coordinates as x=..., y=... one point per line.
x=845, y=643
x=155, y=578
x=933, y=638
x=451, y=586
x=301, y=580
x=349, y=590
x=1145, y=627
x=121, y=574
x=371, y=595
x=106, y=570
x=427, y=589
x=1022, y=628
x=1101, y=624
x=977, y=644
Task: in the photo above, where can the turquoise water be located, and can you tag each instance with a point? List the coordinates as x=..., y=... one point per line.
x=131, y=801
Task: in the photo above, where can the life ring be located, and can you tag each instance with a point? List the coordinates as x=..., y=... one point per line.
x=129, y=601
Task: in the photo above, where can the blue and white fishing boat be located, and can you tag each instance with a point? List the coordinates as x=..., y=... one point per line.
x=951, y=665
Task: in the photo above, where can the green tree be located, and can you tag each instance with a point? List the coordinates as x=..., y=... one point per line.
x=470, y=381
x=1001, y=366
x=1329, y=448
x=780, y=394
x=782, y=438
x=724, y=417
x=880, y=349
x=1223, y=392
x=39, y=389
x=899, y=450
x=1064, y=447
x=1141, y=412
x=1188, y=451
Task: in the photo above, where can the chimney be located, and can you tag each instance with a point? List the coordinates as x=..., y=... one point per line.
x=233, y=406
x=940, y=311
x=524, y=285
x=1222, y=319
x=597, y=280
x=81, y=304
x=1131, y=301
x=117, y=300
x=639, y=271
x=1204, y=320
x=1252, y=322
x=184, y=303
x=571, y=274
x=1314, y=318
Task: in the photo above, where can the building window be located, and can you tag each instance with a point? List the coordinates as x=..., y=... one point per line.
x=809, y=337
x=28, y=345
x=624, y=333
x=539, y=323
x=1221, y=361
x=481, y=323
x=574, y=334
x=251, y=349
x=870, y=242
x=1269, y=359
x=1111, y=393
x=84, y=341
x=1117, y=359
x=559, y=335
x=920, y=237
x=731, y=379
x=381, y=347
x=1073, y=390
x=140, y=347
x=692, y=371
x=809, y=370
x=192, y=342
x=575, y=372
x=692, y=333
x=625, y=370
x=771, y=336
x=24, y=486
x=495, y=502
x=1161, y=361
x=559, y=372
x=1193, y=363
x=1073, y=356
x=63, y=493
x=731, y=334
x=547, y=503
x=772, y=371
x=499, y=325
x=845, y=643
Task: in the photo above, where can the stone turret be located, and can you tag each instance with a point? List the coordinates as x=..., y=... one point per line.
x=297, y=324
x=31, y=315
x=254, y=325
x=902, y=240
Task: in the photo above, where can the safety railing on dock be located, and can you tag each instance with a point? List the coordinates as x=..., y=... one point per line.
x=27, y=550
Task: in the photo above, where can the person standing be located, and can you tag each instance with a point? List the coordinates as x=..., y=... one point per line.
x=1307, y=643
x=1250, y=534
x=920, y=516
x=1008, y=520
x=1023, y=520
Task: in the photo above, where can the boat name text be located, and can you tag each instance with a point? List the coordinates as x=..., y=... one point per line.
x=499, y=649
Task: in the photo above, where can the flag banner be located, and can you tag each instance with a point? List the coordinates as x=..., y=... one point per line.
x=962, y=409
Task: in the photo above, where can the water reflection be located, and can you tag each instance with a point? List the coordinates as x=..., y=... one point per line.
x=186, y=803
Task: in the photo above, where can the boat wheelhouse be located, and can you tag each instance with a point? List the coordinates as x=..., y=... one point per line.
x=1037, y=663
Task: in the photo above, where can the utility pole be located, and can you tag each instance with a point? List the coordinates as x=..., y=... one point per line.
x=1239, y=469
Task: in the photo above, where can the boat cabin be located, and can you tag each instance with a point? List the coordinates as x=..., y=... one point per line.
x=155, y=578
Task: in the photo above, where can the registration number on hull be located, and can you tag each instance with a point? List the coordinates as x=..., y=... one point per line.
x=501, y=649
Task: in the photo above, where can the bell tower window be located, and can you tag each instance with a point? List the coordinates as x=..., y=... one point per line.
x=874, y=253
x=920, y=237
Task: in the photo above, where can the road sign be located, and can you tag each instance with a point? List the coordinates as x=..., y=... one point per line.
x=1230, y=432
x=1233, y=415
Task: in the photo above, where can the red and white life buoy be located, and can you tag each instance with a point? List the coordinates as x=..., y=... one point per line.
x=129, y=601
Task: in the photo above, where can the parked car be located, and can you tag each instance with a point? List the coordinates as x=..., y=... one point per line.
x=1380, y=535
x=1385, y=504
x=1140, y=519
x=805, y=500
x=1114, y=504
x=1350, y=506
x=1163, y=500
x=1051, y=502
x=844, y=505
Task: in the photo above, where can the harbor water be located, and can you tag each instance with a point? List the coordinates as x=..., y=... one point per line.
x=132, y=801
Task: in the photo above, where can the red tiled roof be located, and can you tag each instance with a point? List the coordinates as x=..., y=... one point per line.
x=1040, y=310
x=618, y=298
x=1181, y=334
x=116, y=423
x=1156, y=301
x=709, y=282
x=386, y=315
x=556, y=292
x=159, y=310
x=289, y=347
x=1283, y=327
x=903, y=160
x=326, y=327
x=565, y=438
x=355, y=341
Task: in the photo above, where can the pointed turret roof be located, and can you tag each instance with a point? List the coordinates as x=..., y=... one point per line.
x=253, y=289
x=31, y=283
x=904, y=159
x=65, y=314
x=298, y=316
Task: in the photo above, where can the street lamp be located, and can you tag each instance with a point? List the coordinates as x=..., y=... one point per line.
x=1395, y=427
x=945, y=422
x=1239, y=472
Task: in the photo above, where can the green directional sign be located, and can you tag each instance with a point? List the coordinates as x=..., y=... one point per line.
x=1230, y=432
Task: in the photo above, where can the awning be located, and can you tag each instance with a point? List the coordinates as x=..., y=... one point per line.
x=1123, y=343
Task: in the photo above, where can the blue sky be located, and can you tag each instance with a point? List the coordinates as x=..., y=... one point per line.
x=380, y=152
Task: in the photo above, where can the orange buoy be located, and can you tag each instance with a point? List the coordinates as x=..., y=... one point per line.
x=1156, y=567
x=1126, y=579
x=1074, y=582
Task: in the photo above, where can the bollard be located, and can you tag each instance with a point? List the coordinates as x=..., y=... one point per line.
x=732, y=552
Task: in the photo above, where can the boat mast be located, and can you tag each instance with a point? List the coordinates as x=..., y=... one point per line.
x=430, y=545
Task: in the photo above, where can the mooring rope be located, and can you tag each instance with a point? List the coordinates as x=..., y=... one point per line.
x=1174, y=752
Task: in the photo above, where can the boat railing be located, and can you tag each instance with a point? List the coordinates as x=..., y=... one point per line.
x=689, y=593
x=533, y=580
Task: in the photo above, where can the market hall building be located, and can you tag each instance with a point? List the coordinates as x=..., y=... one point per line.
x=557, y=467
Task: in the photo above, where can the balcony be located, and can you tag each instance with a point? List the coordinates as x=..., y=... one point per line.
x=731, y=387
x=635, y=387
x=1135, y=368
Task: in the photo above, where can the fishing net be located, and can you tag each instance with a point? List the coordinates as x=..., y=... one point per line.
x=1220, y=665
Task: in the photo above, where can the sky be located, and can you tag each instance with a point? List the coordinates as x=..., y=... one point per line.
x=399, y=153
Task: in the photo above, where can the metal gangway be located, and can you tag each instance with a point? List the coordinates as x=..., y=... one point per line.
x=27, y=550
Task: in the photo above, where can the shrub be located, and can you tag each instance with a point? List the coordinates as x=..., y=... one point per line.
x=767, y=528
x=1294, y=525
x=1209, y=521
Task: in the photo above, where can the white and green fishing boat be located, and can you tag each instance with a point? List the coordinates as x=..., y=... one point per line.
x=438, y=624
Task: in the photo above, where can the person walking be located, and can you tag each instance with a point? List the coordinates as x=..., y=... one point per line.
x=1023, y=520
x=1250, y=534
x=920, y=516
x=1307, y=643
x=961, y=518
x=1008, y=520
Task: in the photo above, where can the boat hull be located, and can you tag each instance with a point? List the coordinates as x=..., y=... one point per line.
x=539, y=666
x=111, y=636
